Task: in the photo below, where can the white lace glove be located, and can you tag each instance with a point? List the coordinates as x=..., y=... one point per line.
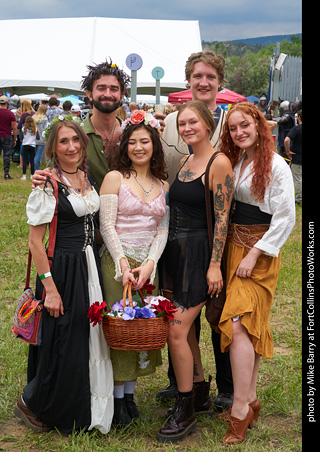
x=159, y=242
x=108, y=217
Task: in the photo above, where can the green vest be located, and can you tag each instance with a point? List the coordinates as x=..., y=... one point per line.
x=97, y=162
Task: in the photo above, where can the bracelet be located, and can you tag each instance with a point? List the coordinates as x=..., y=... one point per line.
x=45, y=275
x=123, y=269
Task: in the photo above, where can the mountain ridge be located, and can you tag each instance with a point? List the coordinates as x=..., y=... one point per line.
x=262, y=40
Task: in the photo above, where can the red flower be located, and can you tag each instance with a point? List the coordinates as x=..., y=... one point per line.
x=137, y=117
x=166, y=307
x=148, y=287
x=95, y=312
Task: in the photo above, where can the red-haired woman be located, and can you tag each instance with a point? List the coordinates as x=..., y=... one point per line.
x=263, y=217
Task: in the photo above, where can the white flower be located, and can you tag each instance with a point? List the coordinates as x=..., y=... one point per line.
x=143, y=355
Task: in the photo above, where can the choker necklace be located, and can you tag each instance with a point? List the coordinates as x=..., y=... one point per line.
x=67, y=172
x=146, y=192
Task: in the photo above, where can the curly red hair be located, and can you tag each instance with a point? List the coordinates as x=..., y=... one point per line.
x=262, y=163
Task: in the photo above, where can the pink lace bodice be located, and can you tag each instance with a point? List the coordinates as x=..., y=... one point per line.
x=137, y=221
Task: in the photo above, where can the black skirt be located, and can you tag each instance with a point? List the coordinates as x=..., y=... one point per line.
x=186, y=259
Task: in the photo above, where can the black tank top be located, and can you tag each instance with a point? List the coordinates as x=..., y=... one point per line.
x=189, y=197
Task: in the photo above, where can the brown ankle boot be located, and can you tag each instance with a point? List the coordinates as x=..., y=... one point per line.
x=237, y=429
x=181, y=422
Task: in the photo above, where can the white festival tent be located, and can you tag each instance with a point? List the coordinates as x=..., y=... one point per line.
x=65, y=46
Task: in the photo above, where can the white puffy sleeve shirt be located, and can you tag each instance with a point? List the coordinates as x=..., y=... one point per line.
x=279, y=201
x=40, y=206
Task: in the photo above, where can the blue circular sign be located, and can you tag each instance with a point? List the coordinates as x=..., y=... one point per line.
x=134, y=62
x=157, y=72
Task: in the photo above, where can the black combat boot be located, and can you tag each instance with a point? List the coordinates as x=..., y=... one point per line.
x=181, y=422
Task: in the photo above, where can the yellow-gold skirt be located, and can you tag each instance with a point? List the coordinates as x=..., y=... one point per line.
x=250, y=298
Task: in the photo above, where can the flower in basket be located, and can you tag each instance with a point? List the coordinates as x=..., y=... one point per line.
x=151, y=307
x=128, y=313
x=96, y=311
x=163, y=306
x=144, y=313
x=148, y=287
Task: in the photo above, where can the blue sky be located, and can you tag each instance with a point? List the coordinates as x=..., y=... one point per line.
x=219, y=20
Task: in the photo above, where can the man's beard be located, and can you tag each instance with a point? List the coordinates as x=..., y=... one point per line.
x=106, y=108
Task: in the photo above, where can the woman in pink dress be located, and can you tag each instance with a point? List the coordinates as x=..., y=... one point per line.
x=134, y=225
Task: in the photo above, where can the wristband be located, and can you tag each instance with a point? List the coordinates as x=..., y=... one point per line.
x=45, y=275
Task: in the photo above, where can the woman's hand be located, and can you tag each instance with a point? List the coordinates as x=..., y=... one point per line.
x=144, y=272
x=40, y=176
x=127, y=275
x=53, y=303
x=248, y=263
x=214, y=279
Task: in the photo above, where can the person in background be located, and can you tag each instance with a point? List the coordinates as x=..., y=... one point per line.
x=205, y=72
x=263, y=105
x=30, y=135
x=41, y=121
x=262, y=220
x=134, y=227
x=66, y=107
x=70, y=381
x=122, y=113
x=285, y=123
x=293, y=146
x=76, y=111
x=53, y=109
x=168, y=108
x=8, y=134
x=191, y=271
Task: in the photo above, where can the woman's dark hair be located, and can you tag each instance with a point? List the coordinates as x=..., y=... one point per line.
x=120, y=161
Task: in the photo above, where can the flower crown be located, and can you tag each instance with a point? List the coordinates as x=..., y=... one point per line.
x=58, y=118
x=139, y=116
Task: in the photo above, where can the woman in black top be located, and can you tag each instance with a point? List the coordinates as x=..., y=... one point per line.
x=190, y=270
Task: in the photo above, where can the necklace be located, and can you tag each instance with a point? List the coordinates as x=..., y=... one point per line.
x=67, y=172
x=146, y=192
x=103, y=136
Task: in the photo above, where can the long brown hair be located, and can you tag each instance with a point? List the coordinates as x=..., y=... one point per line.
x=29, y=124
x=51, y=144
x=262, y=164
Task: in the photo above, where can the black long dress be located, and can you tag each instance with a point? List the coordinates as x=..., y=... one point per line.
x=58, y=389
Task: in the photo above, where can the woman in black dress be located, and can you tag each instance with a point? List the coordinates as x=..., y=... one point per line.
x=70, y=381
x=190, y=270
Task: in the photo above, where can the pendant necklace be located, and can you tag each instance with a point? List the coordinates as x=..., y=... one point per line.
x=146, y=192
x=103, y=136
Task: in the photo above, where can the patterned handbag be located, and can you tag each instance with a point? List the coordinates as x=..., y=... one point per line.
x=28, y=316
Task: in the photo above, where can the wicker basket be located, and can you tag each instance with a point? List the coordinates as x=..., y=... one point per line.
x=136, y=334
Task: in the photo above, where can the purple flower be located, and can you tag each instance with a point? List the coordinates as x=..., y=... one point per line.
x=129, y=313
x=146, y=313
x=117, y=307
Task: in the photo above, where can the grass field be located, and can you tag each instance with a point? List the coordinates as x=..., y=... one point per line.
x=279, y=384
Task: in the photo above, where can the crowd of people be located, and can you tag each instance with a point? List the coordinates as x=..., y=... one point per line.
x=131, y=207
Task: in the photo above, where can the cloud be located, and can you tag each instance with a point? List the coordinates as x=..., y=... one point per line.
x=218, y=20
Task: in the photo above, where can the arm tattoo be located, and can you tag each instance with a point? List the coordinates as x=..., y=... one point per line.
x=229, y=183
x=219, y=198
x=221, y=208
